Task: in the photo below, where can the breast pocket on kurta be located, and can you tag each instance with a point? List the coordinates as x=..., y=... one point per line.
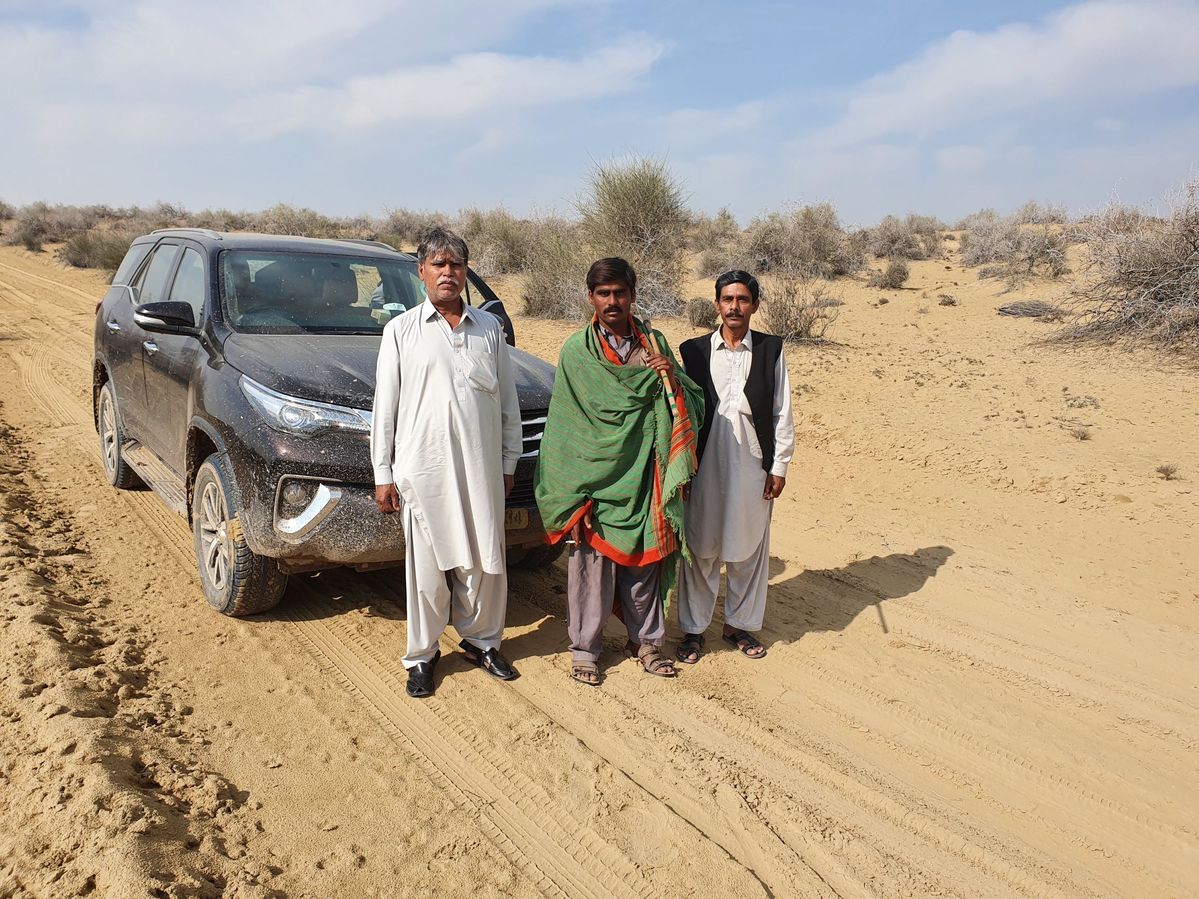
x=479, y=369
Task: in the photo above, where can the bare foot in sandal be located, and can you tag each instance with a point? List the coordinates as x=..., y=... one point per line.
x=652, y=660
x=585, y=672
x=690, y=649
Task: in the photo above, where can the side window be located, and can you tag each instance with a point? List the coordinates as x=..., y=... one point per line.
x=129, y=264
x=152, y=286
x=189, y=283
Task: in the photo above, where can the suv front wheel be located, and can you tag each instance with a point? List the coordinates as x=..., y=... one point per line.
x=236, y=581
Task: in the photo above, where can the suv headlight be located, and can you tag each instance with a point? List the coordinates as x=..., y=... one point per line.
x=303, y=418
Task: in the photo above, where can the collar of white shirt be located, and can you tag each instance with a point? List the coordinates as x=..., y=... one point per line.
x=719, y=344
x=429, y=311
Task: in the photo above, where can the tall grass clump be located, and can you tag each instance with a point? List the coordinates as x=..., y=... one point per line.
x=807, y=241
x=636, y=209
x=555, y=279
x=1142, y=278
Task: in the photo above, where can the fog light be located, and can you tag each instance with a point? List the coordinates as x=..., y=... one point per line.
x=295, y=494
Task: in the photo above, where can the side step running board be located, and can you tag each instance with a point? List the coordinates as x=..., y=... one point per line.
x=169, y=486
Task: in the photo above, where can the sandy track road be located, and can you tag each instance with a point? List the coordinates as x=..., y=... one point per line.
x=950, y=706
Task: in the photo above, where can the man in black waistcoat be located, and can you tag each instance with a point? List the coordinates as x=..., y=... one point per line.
x=745, y=444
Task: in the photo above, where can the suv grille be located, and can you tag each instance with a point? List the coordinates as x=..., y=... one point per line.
x=533, y=423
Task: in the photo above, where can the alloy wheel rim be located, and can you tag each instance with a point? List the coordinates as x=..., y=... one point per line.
x=214, y=536
x=108, y=433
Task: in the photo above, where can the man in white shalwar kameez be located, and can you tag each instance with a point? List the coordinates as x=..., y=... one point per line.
x=745, y=445
x=445, y=440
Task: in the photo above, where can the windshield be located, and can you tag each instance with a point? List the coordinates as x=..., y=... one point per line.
x=268, y=292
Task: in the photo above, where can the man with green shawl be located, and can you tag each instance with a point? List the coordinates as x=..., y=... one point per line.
x=616, y=458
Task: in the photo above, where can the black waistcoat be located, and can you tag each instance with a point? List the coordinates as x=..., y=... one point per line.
x=759, y=386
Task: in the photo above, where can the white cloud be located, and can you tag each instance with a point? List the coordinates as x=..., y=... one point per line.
x=1090, y=54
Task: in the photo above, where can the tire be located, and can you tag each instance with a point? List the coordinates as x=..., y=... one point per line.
x=539, y=557
x=112, y=437
x=235, y=580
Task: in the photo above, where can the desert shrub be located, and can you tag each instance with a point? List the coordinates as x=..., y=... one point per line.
x=555, y=279
x=1033, y=213
x=701, y=313
x=500, y=243
x=31, y=231
x=636, y=209
x=891, y=277
x=1038, y=309
x=96, y=249
x=945, y=299
x=808, y=241
x=1007, y=249
x=7, y=211
x=718, y=231
x=404, y=228
x=913, y=237
x=295, y=221
x=221, y=220
x=1142, y=279
x=797, y=308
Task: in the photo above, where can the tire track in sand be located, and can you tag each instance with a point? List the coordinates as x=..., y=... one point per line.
x=563, y=856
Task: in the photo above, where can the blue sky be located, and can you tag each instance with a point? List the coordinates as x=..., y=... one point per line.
x=364, y=105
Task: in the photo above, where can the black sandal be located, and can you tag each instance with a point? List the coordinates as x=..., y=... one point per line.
x=744, y=642
x=420, y=678
x=489, y=660
x=692, y=645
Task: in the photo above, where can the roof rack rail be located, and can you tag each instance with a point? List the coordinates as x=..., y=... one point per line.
x=369, y=243
x=207, y=232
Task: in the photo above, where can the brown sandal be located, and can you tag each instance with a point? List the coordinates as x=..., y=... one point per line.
x=585, y=672
x=651, y=659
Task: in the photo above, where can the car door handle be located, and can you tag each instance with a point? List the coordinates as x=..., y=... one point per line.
x=112, y=326
x=151, y=346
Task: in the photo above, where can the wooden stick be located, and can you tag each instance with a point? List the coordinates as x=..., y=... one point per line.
x=653, y=344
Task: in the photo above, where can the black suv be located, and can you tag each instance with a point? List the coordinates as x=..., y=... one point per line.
x=234, y=375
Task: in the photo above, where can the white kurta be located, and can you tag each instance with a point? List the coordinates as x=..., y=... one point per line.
x=726, y=516
x=447, y=428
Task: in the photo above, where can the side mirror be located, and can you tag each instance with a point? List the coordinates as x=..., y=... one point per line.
x=496, y=308
x=166, y=318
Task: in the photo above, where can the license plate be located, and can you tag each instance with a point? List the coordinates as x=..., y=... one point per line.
x=516, y=519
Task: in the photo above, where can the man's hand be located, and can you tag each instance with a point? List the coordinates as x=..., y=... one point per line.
x=387, y=498
x=660, y=363
x=509, y=480
x=580, y=528
x=774, y=487
x=686, y=491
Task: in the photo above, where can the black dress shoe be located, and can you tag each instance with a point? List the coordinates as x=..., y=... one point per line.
x=420, y=677
x=489, y=660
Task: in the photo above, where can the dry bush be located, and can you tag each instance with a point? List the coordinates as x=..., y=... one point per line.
x=797, y=308
x=945, y=299
x=913, y=237
x=96, y=249
x=1033, y=213
x=7, y=211
x=500, y=243
x=891, y=277
x=555, y=280
x=712, y=232
x=1015, y=252
x=294, y=221
x=1142, y=280
x=405, y=227
x=808, y=241
x=637, y=210
x=701, y=313
x=1167, y=472
x=1080, y=433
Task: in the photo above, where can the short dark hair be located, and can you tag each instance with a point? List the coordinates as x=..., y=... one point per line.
x=611, y=270
x=736, y=276
x=442, y=240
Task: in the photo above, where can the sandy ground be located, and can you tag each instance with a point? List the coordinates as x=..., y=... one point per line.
x=981, y=677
